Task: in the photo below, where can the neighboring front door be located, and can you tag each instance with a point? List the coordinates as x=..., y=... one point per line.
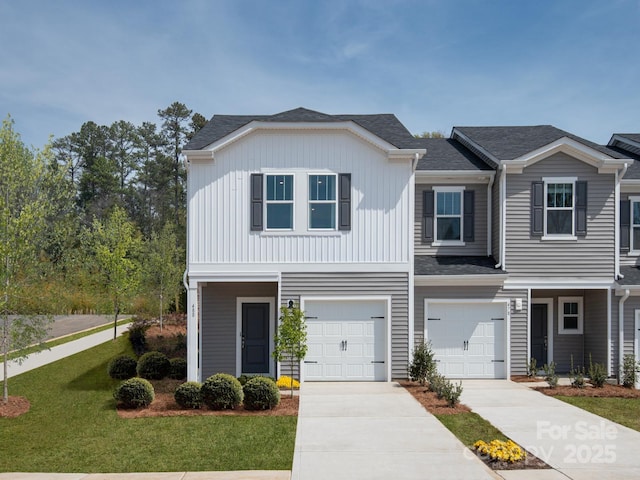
x=539, y=339
x=255, y=338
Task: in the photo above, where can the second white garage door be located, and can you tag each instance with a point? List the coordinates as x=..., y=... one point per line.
x=468, y=339
x=346, y=340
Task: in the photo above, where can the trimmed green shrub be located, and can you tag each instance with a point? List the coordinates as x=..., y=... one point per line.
x=188, y=395
x=423, y=365
x=260, y=393
x=244, y=378
x=178, y=368
x=222, y=391
x=630, y=369
x=137, y=335
x=153, y=365
x=122, y=367
x=134, y=393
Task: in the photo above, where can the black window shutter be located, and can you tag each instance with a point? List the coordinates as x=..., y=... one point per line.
x=427, y=216
x=344, y=203
x=537, y=209
x=625, y=225
x=581, y=208
x=469, y=213
x=257, y=223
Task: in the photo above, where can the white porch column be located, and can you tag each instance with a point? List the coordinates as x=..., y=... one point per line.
x=193, y=347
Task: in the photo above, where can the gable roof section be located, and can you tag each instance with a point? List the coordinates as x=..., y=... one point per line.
x=385, y=126
x=446, y=154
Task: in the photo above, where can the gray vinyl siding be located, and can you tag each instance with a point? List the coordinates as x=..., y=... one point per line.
x=595, y=327
x=395, y=284
x=495, y=218
x=629, y=258
x=518, y=323
x=219, y=322
x=477, y=247
x=532, y=256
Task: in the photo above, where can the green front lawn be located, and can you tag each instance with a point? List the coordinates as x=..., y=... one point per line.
x=625, y=411
x=470, y=427
x=73, y=427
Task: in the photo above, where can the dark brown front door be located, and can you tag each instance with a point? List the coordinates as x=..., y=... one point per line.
x=255, y=338
x=539, y=333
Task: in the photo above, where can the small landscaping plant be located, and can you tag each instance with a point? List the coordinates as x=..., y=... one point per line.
x=137, y=335
x=122, y=367
x=577, y=376
x=630, y=370
x=550, y=375
x=286, y=382
x=188, y=395
x=499, y=451
x=597, y=374
x=532, y=368
x=445, y=389
x=178, y=368
x=134, y=393
x=423, y=364
x=244, y=378
x=153, y=365
x=222, y=391
x=260, y=393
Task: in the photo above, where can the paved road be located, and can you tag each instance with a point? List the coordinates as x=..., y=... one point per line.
x=68, y=324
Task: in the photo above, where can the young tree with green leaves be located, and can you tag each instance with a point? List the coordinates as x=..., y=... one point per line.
x=164, y=265
x=116, y=244
x=25, y=208
x=291, y=337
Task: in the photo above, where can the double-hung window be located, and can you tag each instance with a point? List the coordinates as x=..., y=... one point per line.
x=322, y=202
x=448, y=214
x=559, y=206
x=635, y=223
x=279, y=202
x=570, y=319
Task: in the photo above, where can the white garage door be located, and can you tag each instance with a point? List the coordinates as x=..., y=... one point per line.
x=468, y=339
x=346, y=340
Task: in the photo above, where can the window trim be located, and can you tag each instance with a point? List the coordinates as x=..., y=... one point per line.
x=633, y=250
x=268, y=202
x=334, y=201
x=561, y=316
x=553, y=181
x=448, y=189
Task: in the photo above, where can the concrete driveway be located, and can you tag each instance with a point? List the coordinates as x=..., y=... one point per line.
x=575, y=442
x=375, y=431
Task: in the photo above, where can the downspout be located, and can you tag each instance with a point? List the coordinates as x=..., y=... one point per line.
x=621, y=332
x=503, y=213
x=616, y=230
x=489, y=213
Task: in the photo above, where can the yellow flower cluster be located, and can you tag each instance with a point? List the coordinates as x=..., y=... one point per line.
x=285, y=382
x=501, y=451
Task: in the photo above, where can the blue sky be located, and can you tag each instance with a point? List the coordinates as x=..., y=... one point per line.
x=435, y=64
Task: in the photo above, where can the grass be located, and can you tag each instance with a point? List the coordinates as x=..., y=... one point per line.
x=66, y=339
x=73, y=427
x=470, y=427
x=625, y=411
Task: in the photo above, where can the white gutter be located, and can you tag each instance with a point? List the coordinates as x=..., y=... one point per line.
x=616, y=230
x=489, y=214
x=621, y=332
x=503, y=215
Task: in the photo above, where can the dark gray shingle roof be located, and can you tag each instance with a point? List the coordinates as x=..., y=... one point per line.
x=633, y=172
x=631, y=275
x=634, y=137
x=385, y=126
x=448, y=154
x=507, y=143
x=426, y=265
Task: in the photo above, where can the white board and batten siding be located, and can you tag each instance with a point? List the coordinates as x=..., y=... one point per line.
x=219, y=201
x=536, y=257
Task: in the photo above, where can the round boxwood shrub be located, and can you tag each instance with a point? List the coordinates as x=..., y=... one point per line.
x=134, y=393
x=122, y=367
x=221, y=391
x=260, y=393
x=153, y=365
x=188, y=395
x=178, y=369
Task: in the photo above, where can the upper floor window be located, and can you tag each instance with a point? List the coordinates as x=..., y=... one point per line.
x=322, y=202
x=448, y=214
x=559, y=207
x=635, y=223
x=570, y=315
x=279, y=202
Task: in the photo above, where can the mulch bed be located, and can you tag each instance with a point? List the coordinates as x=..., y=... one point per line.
x=15, y=407
x=607, y=391
x=438, y=406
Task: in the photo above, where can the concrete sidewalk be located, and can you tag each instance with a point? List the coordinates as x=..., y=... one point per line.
x=59, y=352
x=375, y=431
x=576, y=443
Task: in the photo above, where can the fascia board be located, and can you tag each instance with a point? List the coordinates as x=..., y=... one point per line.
x=617, y=139
x=457, y=176
x=468, y=280
x=458, y=133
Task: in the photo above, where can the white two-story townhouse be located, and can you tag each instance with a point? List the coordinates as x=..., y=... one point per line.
x=301, y=208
